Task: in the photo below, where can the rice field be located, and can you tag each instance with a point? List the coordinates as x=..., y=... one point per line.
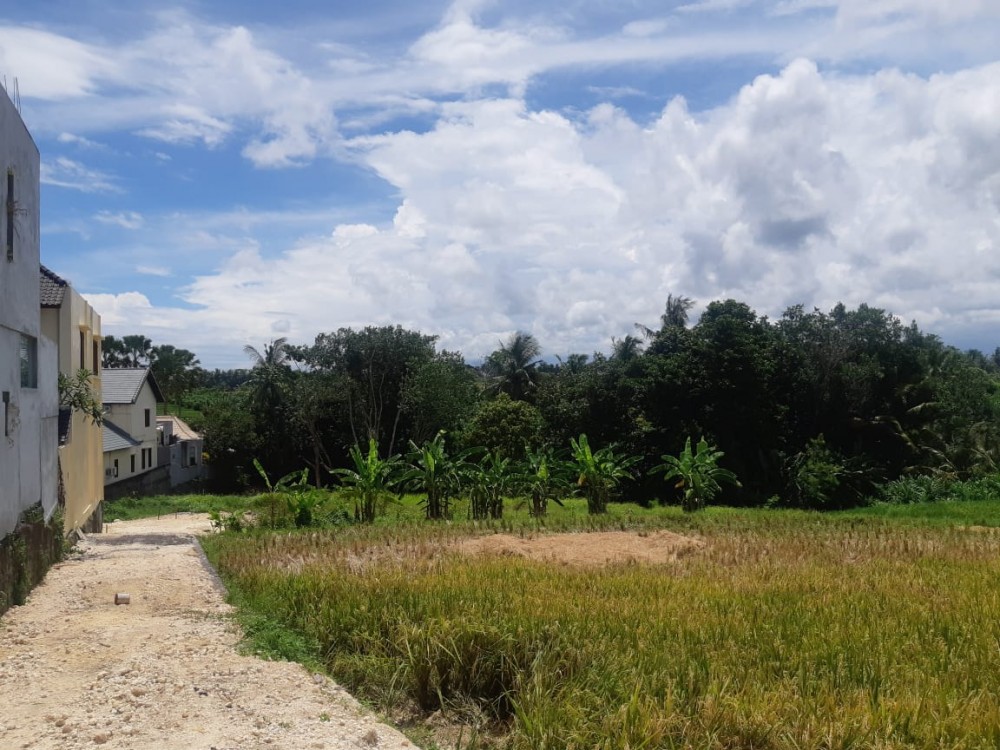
x=870, y=629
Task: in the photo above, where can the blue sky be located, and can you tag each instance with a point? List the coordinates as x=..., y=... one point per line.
x=216, y=174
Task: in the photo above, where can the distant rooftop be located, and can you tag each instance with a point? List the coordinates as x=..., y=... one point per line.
x=179, y=428
x=115, y=438
x=122, y=385
x=52, y=288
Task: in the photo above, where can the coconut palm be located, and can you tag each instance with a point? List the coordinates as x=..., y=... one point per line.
x=275, y=353
x=513, y=367
x=675, y=315
x=626, y=349
x=270, y=370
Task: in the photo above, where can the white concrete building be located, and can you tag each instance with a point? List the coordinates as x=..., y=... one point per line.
x=29, y=396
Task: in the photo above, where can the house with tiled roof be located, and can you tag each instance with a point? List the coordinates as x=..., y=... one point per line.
x=75, y=326
x=181, y=449
x=131, y=464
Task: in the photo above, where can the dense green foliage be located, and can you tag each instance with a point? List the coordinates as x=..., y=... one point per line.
x=812, y=410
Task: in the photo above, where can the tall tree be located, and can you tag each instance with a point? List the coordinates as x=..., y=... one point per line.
x=112, y=352
x=439, y=395
x=514, y=366
x=275, y=354
x=675, y=313
x=270, y=371
x=176, y=371
x=138, y=351
x=626, y=349
x=674, y=316
x=376, y=363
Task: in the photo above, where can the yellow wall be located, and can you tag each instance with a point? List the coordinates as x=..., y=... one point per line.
x=82, y=456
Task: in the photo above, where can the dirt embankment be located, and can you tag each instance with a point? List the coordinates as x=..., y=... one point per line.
x=77, y=671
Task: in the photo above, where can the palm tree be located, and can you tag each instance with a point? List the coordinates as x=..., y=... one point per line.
x=626, y=349
x=675, y=315
x=270, y=370
x=275, y=353
x=513, y=365
x=138, y=351
x=574, y=363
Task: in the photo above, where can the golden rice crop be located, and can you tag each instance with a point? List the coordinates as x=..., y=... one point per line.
x=787, y=630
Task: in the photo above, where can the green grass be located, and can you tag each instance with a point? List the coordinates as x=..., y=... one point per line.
x=130, y=508
x=872, y=628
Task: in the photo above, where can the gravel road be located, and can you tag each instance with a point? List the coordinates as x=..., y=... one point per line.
x=163, y=672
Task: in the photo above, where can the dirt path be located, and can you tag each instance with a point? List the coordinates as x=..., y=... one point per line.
x=76, y=671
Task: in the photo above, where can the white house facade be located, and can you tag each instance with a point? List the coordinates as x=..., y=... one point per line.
x=130, y=431
x=29, y=398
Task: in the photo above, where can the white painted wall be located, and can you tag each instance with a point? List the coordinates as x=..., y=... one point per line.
x=132, y=419
x=28, y=428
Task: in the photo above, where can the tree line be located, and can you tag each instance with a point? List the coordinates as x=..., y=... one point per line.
x=814, y=409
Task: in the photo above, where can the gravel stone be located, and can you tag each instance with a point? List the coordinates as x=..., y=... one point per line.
x=164, y=672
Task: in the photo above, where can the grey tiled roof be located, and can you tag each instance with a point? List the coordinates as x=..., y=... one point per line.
x=122, y=385
x=115, y=438
x=52, y=288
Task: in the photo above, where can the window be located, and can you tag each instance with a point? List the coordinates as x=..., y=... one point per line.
x=83, y=350
x=11, y=213
x=6, y=414
x=133, y=463
x=147, y=417
x=116, y=467
x=29, y=361
x=143, y=459
x=97, y=357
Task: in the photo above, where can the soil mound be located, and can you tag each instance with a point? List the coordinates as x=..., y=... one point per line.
x=588, y=549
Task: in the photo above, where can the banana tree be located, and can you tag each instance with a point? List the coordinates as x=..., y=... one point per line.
x=697, y=473
x=488, y=481
x=599, y=472
x=435, y=473
x=545, y=478
x=370, y=481
x=293, y=488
